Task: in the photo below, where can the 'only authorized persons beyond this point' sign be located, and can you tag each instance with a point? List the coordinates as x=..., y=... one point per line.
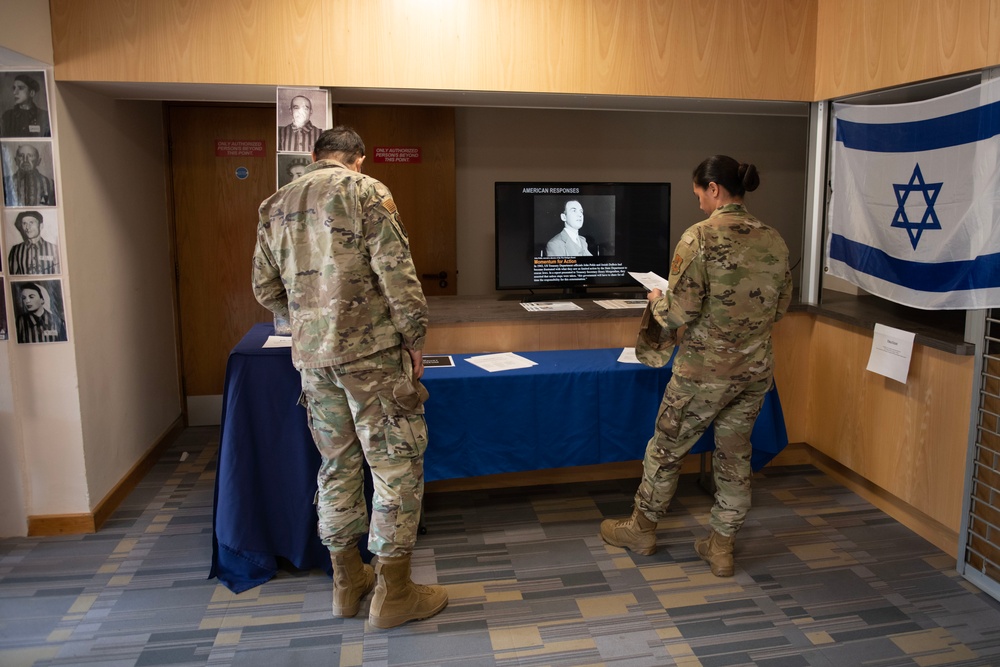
x=397, y=154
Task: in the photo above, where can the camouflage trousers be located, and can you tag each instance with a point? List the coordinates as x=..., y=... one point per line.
x=370, y=409
x=687, y=410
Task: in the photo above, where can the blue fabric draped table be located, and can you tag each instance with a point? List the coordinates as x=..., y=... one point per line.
x=575, y=407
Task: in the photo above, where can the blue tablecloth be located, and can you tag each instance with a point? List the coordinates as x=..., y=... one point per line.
x=575, y=407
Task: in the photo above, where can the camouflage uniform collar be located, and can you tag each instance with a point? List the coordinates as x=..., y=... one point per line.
x=325, y=164
x=728, y=208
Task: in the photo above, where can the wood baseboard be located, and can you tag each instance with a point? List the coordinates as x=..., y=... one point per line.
x=798, y=453
x=75, y=524
x=933, y=531
x=793, y=454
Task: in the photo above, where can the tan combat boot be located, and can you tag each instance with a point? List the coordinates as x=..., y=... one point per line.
x=717, y=550
x=352, y=579
x=636, y=533
x=397, y=599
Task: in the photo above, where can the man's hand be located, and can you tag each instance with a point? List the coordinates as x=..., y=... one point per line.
x=418, y=363
x=654, y=294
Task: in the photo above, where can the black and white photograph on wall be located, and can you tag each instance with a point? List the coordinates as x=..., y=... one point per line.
x=27, y=173
x=32, y=240
x=38, y=311
x=303, y=114
x=3, y=312
x=291, y=167
x=24, y=104
x=575, y=226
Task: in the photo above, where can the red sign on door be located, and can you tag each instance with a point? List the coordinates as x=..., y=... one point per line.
x=397, y=154
x=239, y=148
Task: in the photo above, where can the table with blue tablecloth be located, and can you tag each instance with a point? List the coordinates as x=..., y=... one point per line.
x=573, y=408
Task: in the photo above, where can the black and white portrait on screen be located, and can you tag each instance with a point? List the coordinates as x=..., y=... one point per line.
x=302, y=116
x=38, y=311
x=32, y=241
x=574, y=225
x=27, y=173
x=24, y=105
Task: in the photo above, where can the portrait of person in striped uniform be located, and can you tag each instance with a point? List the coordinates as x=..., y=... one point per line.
x=34, y=255
x=26, y=167
x=299, y=135
x=38, y=311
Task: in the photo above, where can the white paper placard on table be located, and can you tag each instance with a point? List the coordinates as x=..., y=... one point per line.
x=891, y=352
x=546, y=306
x=619, y=304
x=628, y=356
x=501, y=361
x=278, y=341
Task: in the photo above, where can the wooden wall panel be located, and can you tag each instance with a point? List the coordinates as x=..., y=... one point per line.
x=475, y=337
x=791, y=371
x=909, y=440
x=863, y=45
x=751, y=49
x=222, y=41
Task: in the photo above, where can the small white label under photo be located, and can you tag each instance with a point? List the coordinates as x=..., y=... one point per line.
x=891, y=352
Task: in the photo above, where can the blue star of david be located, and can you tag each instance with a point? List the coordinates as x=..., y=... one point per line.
x=929, y=219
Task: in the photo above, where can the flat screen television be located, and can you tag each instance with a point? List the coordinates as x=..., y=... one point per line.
x=625, y=227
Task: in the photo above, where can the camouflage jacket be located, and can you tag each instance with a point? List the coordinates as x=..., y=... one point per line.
x=729, y=284
x=333, y=258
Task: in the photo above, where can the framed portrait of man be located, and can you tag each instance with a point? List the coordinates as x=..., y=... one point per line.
x=24, y=107
x=28, y=173
x=39, y=315
x=303, y=114
x=32, y=236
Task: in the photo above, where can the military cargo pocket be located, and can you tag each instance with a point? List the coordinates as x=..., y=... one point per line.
x=405, y=429
x=673, y=410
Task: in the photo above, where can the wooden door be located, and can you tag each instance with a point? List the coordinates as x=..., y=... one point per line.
x=424, y=190
x=215, y=212
x=216, y=217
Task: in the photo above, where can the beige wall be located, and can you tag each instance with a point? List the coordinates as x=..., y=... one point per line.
x=558, y=145
x=117, y=246
x=13, y=513
x=25, y=29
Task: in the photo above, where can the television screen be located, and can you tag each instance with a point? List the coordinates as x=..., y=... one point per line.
x=579, y=235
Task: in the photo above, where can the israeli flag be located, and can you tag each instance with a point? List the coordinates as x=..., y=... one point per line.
x=915, y=211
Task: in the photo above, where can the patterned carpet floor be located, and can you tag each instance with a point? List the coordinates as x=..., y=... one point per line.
x=822, y=579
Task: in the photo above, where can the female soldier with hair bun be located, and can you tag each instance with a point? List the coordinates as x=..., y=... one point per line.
x=729, y=283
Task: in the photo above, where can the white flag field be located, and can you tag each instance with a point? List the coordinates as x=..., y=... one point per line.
x=915, y=210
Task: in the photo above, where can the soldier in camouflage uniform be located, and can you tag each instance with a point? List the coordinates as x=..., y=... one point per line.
x=729, y=283
x=333, y=258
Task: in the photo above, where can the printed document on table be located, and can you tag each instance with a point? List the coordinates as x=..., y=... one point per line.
x=536, y=306
x=278, y=341
x=628, y=356
x=891, y=351
x=651, y=281
x=614, y=304
x=501, y=361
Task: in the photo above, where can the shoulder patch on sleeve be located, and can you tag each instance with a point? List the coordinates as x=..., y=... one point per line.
x=389, y=205
x=683, y=257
